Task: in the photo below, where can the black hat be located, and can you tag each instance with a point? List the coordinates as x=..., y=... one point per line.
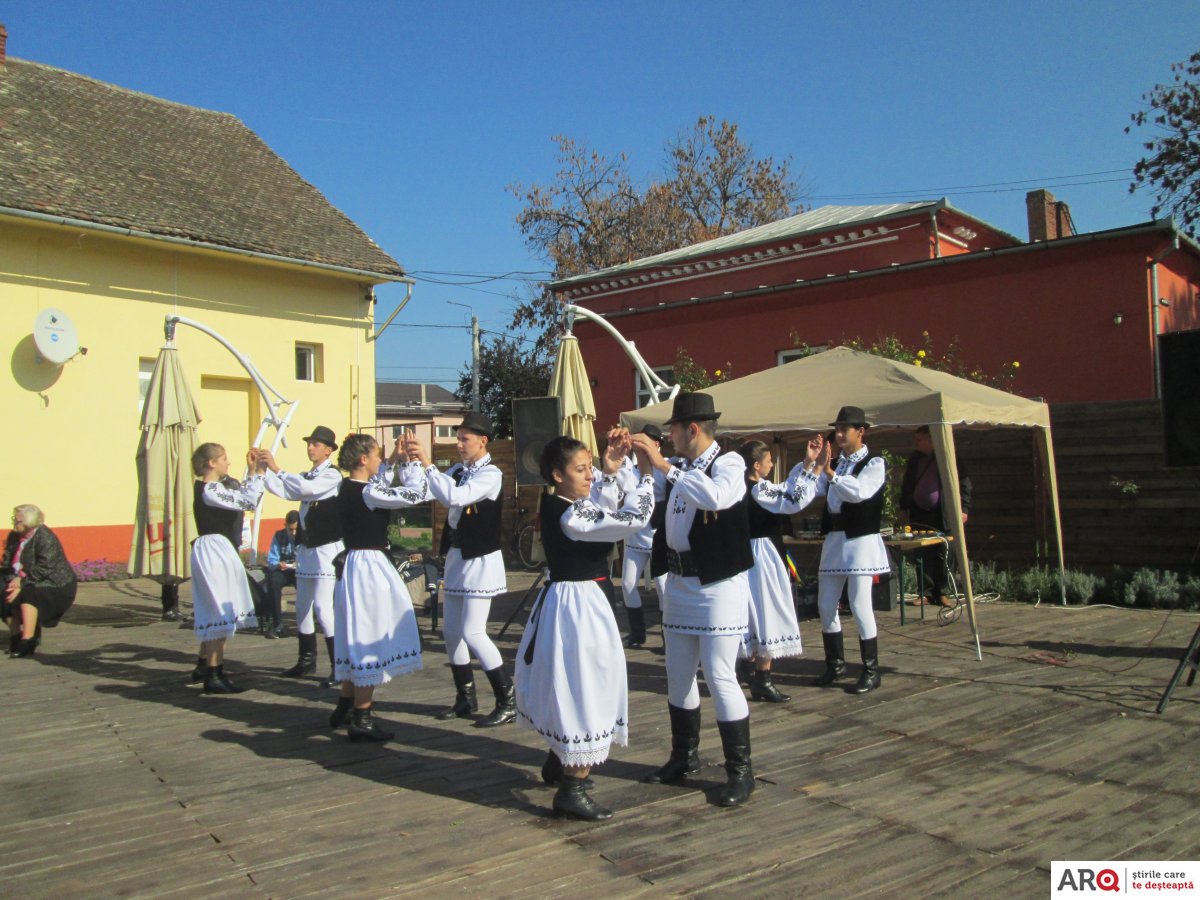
x=479, y=423
x=653, y=432
x=851, y=415
x=693, y=408
x=322, y=435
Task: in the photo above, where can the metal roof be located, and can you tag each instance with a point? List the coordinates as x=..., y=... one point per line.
x=822, y=218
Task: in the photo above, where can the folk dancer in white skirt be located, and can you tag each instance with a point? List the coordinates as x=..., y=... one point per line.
x=570, y=670
x=376, y=635
x=474, y=571
x=319, y=540
x=774, y=632
x=853, y=552
x=220, y=592
x=706, y=547
x=638, y=547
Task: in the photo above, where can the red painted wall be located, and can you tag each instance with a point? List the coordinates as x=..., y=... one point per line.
x=1050, y=308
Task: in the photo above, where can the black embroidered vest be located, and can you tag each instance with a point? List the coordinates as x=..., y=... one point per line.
x=766, y=524
x=214, y=519
x=322, y=523
x=862, y=518
x=362, y=528
x=570, y=560
x=720, y=540
x=478, y=531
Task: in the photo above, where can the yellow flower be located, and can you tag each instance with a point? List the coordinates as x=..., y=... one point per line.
x=920, y=354
x=717, y=373
x=1016, y=365
x=917, y=363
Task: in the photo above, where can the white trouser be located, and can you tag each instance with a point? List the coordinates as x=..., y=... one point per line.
x=314, y=595
x=717, y=655
x=829, y=592
x=464, y=628
x=635, y=563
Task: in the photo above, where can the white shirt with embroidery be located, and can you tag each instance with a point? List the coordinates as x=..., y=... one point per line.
x=243, y=498
x=479, y=480
x=321, y=482
x=694, y=492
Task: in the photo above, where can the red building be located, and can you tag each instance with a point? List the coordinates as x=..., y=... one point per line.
x=1079, y=312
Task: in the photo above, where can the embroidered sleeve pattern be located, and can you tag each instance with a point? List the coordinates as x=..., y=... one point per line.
x=725, y=488
x=791, y=497
x=853, y=489
x=244, y=498
x=585, y=521
x=317, y=484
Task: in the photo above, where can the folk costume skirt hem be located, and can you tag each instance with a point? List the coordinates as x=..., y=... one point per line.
x=221, y=601
x=376, y=635
x=773, y=630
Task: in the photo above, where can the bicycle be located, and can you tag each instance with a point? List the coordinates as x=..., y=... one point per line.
x=527, y=542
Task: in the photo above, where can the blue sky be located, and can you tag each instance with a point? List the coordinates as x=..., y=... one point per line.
x=413, y=118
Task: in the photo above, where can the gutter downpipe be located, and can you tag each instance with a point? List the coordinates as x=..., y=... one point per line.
x=1159, y=257
x=655, y=384
x=272, y=418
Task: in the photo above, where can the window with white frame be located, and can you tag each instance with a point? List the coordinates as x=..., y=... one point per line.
x=309, y=362
x=643, y=396
x=145, y=370
x=444, y=433
x=787, y=356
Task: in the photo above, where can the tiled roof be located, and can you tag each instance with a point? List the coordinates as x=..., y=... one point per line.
x=78, y=148
x=398, y=393
x=815, y=220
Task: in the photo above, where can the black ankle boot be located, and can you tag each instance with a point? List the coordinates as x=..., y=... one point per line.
x=870, y=677
x=215, y=682
x=170, y=603
x=341, y=712
x=685, y=747
x=364, y=728
x=24, y=649
x=465, y=701
x=572, y=801
x=331, y=681
x=198, y=670
x=744, y=671
x=552, y=771
x=835, y=658
x=637, y=627
x=735, y=740
x=13, y=640
x=762, y=688
x=506, y=699
x=307, y=663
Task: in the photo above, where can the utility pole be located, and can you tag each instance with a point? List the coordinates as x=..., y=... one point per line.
x=475, y=363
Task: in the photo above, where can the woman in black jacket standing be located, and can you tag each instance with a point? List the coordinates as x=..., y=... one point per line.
x=39, y=582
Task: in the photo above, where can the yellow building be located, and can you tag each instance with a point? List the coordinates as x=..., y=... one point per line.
x=118, y=209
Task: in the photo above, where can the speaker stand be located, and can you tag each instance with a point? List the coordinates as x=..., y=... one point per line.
x=1190, y=660
x=524, y=602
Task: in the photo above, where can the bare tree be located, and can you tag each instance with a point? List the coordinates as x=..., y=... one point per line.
x=1173, y=169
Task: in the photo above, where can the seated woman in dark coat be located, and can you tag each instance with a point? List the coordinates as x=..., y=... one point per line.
x=39, y=583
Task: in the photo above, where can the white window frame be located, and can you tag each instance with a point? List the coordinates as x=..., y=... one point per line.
x=782, y=357
x=444, y=433
x=643, y=395
x=145, y=370
x=307, y=353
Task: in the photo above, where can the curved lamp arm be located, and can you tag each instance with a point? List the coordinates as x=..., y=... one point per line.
x=656, y=385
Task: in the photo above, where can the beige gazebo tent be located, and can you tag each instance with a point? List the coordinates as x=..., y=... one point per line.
x=805, y=394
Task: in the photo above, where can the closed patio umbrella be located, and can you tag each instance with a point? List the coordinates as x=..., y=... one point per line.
x=164, y=526
x=570, y=384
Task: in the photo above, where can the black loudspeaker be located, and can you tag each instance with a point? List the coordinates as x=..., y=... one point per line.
x=1179, y=366
x=536, y=421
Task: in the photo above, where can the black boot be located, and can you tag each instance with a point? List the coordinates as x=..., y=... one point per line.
x=464, y=696
x=331, y=681
x=685, y=747
x=13, y=640
x=341, y=712
x=739, y=785
x=215, y=682
x=307, y=663
x=870, y=677
x=198, y=671
x=762, y=688
x=744, y=671
x=364, y=728
x=506, y=699
x=637, y=627
x=170, y=603
x=24, y=649
x=572, y=801
x=835, y=658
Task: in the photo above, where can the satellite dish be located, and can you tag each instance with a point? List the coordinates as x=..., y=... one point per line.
x=55, y=337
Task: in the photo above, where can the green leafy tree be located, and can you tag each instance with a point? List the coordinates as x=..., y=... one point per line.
x=508, y=370
x=1173, y=166
x=593, y=213
x=691, y=376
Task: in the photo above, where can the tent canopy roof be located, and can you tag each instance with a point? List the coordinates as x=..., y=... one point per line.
x=804, y=395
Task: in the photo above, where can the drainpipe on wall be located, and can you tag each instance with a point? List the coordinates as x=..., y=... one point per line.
x=1162, y=254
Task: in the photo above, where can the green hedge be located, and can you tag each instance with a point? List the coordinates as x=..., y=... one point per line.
x=1143, y=588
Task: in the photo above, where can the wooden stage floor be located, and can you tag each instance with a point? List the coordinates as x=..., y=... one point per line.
x=958, y=778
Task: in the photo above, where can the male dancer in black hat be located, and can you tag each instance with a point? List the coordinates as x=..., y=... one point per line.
x=706, y=547
x=474, y=564
x=853, y=553
x=319, y=541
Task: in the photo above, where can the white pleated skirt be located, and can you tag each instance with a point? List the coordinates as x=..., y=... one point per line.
x=480, y=577
x=221, y=600
x=573, y=689
x=376, y=629
x=773, y=630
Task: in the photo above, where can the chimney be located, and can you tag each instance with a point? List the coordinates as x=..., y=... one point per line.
x=1048, y=218
x=3, y=43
